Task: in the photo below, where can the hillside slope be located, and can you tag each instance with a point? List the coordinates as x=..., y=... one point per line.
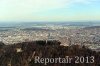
x=23, y=54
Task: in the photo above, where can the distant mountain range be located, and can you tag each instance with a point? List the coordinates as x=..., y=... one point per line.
x=92, y=27
x=30, y=24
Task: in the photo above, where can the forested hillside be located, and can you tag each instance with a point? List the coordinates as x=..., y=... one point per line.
x=23, y=54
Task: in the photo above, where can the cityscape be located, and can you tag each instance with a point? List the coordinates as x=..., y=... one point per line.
x=49, y=32
x=67, y=33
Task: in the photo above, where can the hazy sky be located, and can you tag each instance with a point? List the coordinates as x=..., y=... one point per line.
x=49, y=10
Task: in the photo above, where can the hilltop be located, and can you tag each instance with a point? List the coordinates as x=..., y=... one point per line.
x=23, y=54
